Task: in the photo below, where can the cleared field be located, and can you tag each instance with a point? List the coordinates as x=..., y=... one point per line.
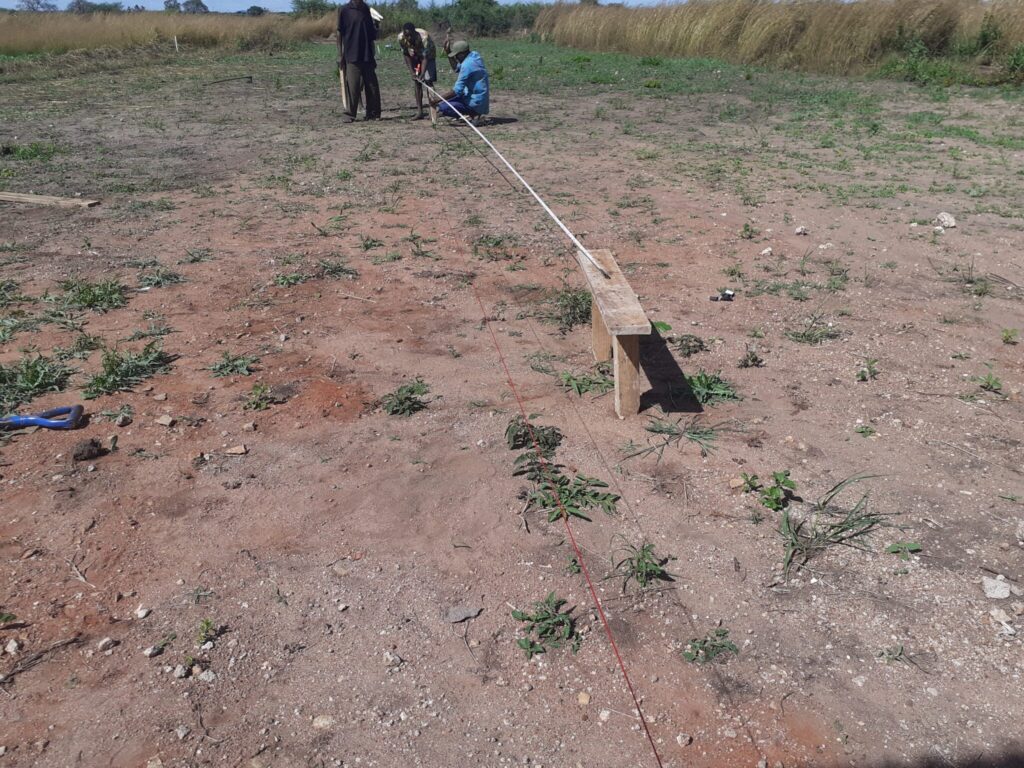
x=311, y=542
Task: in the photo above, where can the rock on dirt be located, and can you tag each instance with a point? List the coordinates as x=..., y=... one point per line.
x=180, y=671
x=995, y=589
x=182, y=731
x=945, y=220
x=12, y=647
x=165, y=421
x=236, y=450
x=123, y=420
x=151, y=651
x=801, y=231
x=323, y=722
x=460, y=613
x=142, y=612
x=1020, y=531
x=88, y=450
x=207, y=676
x=106, y=644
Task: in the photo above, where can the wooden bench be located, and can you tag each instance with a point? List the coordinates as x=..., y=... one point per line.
x=618, y=322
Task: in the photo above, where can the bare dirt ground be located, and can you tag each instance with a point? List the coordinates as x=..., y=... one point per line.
x=325, y=555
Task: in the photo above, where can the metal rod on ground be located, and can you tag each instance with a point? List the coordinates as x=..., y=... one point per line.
x=572, y=238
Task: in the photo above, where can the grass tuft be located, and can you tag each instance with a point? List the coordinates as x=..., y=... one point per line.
x=122, y=371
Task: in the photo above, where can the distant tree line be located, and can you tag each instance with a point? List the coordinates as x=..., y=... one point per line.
x=473, y=17
x=87, y=6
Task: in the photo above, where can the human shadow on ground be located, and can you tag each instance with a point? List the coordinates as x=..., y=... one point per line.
x=1010, y=758
x=669, y=390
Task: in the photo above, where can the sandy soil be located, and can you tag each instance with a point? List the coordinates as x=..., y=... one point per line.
x=326, y=556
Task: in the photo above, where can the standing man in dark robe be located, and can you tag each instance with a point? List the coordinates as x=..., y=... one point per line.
x=356, y=34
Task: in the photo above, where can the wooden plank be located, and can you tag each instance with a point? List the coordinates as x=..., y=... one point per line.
x=626, y=354
x=60, y=202
x=602, y=340
x=619, y=306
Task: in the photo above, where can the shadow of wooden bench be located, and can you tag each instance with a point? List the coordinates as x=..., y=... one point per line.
x=618, y=322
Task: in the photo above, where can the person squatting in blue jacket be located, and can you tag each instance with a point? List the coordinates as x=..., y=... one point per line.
x=471, y=93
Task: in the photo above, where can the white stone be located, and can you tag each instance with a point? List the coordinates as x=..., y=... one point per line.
x=141, y=612
x=105, y=644
x=945, y=220
x=207, y=676
x=995, y=589
x=322, y=722
x=12, y=647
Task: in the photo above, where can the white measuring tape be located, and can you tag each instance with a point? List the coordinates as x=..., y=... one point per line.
x=575, y=241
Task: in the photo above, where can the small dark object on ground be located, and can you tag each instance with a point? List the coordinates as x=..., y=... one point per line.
x=89, y=449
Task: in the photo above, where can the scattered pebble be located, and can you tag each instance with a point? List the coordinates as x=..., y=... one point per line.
x=182, y=731
x=12, y=647
x=160, y=397
x=207, y=676
x=165, y=421
x=767, y=251
x=142, y=612
x=180, y=671
x=460, y=613
x=105, y=644
x=322, y=722
x=995, y=589
x=123, y=420
x=684, y=739
x=151, y=651
x=583, y=698
x=801, y=231
x=236, y=450
x=603, y=715
x=945, y=220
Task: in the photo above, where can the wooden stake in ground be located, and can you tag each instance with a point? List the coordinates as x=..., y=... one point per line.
x=618, y=322
x=60, y=202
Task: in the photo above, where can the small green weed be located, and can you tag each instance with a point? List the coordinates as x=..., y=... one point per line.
x=207, y=632
x=599, y=382
x=122, y=371
x=80, y=348
x=196, y=255
x=260, y=398
x=571, y=308
x=560, y=496
x=750, y=358
x=639, y=564
x=406, y=400
x=826, y=525
x=288, y=279
x=548, y=625
x=865, y=430
x=1010, y=335
x=338, y=270
x=99, y=297
x=234, y=365
x=705, y=650
x=710, y=388
x=903, y=549
x=990, y=382
x=778, y=495
x=160, y=277
x=369, y=243
x=749, y=232
x=688, y=345
x=816, y=330
x=521, y=433
x=868, y=371
x=28, y=378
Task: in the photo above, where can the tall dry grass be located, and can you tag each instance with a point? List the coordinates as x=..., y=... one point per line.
x=814, y=35
x=24, y=33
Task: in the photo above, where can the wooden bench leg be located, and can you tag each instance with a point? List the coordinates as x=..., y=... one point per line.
x=601, y=340
x=626, y=354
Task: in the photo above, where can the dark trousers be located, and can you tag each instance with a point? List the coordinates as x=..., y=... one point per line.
x=362, y=77
x=447, y=111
